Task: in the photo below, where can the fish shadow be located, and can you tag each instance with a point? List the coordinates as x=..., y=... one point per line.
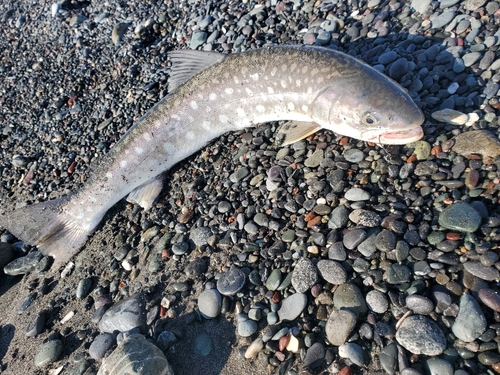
x=203, y=349
x=6, y=335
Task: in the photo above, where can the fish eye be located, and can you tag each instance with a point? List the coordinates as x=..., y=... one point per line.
x=369, y=119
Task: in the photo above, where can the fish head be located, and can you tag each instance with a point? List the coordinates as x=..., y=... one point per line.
x=369, y=107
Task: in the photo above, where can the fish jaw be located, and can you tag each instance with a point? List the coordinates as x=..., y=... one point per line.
x=388, y=137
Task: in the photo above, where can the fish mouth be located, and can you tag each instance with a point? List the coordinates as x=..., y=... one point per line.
x=391, y=137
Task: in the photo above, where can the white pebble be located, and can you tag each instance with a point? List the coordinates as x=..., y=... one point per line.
x=67, y=317
x=254, y=348
x=453, y=88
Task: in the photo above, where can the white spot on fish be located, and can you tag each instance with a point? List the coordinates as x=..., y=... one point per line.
x=283, y=83
x=274, y=71
x=190, y=135
x=169, y=148
x=314, y=71
x=194, y=105
x=240, y=112
x=260, y=108
x=236, y=80
x=284, y=67
x=206, y=125
x=270, y=90
x=305, y=108
x=224, y=119
x=309, y=90
x=229, y=91
x=280, y=97
x=255, y=76
x=249, y=92
x=139, y=150
x=292, y=68
x=298, y=82
x=147, y=136
x=304, y=69
x=212, y=96
x=123, y=164
x=109, y=175
x=175, y=117
x=291, y=106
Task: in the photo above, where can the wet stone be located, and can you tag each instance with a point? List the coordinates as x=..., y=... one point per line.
x=460, y=216
x=338, y=217
x=274, y=280
x=480, y=270
x=385, y=240
x=398, y=274
x=83, y=288
x=304, y=275
x=231, y=282
x=354, y=352
x=470, y=322
x=438, y=366
x=420, y=335
x=389, y=358
x=337, y=252
x=353, y=238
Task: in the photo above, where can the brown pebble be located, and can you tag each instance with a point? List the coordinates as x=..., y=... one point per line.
x=71, y=168
x=313, y=222
x=165, y=254
x=316, y=290
x=435, y=150
x=345, y=371
x=309, y=216
x=453, y=236
x=29, y=176
x=411, y=159
x=496, y=367
x=276, y=297
x=343, y=141
x=135, y=228
x=472, y=179
x=186, y=217
x=283, y=342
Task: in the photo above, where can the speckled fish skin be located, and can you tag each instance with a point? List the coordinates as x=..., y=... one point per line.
x=304, y=84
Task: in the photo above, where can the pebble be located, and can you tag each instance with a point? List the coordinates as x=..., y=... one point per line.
x=247, y=328
x=23, y=265
x=480, y=142
x=438, y=366
x=389, y=358
x=125, y=315
x=200, y=235
x=420, y=305
x=83, y=288
x=461, y=217
x=470, y=322
x=315, y=357
x=332, y=271
x=134, y=350
x=482, y=271
x=292, y=307
x=231, y=282
x=377, y=301
x=420, y=335
x=348, y=296
x=36, y=325
x=490, y=298
x=339, y=326
x=304, y=275
x=354, y=352
x=254, y=348
x=101, y=344
x=356, y=195
x=49, y=353
x=210, y=303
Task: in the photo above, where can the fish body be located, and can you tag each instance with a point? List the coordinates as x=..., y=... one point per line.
x=211, y=94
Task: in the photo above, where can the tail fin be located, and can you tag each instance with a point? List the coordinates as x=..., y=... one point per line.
x=47, y=226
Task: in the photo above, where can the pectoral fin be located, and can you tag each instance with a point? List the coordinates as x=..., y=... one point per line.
x=294, y=131
x=146, y=194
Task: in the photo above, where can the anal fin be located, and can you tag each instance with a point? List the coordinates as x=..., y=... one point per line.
x=293, y=131
x=146, y=194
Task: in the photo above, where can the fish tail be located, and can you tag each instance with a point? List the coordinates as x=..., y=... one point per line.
x=49, y=227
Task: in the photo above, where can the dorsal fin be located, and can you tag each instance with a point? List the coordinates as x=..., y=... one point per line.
x=187, y=63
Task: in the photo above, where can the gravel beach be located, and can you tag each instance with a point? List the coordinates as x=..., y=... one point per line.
x=326, y=256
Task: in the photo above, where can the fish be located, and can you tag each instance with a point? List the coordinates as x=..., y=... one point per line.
x=210, y=94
